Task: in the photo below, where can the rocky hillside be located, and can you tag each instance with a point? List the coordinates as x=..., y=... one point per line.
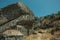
x=50, y=20
x=19, y=17
x=46, y=28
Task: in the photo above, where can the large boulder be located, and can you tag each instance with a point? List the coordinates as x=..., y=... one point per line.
x=13, y=14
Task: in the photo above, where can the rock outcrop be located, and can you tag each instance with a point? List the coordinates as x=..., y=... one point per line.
x=14, y=13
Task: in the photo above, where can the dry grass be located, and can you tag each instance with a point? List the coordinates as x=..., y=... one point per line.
x=39, y=37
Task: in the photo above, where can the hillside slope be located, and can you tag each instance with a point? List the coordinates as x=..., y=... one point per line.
x=46, y=28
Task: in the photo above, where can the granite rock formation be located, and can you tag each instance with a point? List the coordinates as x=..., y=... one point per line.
x=12, y=14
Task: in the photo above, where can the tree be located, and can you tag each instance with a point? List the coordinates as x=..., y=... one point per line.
x=27, y=24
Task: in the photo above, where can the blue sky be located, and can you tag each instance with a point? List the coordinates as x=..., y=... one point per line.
x=39, y=7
